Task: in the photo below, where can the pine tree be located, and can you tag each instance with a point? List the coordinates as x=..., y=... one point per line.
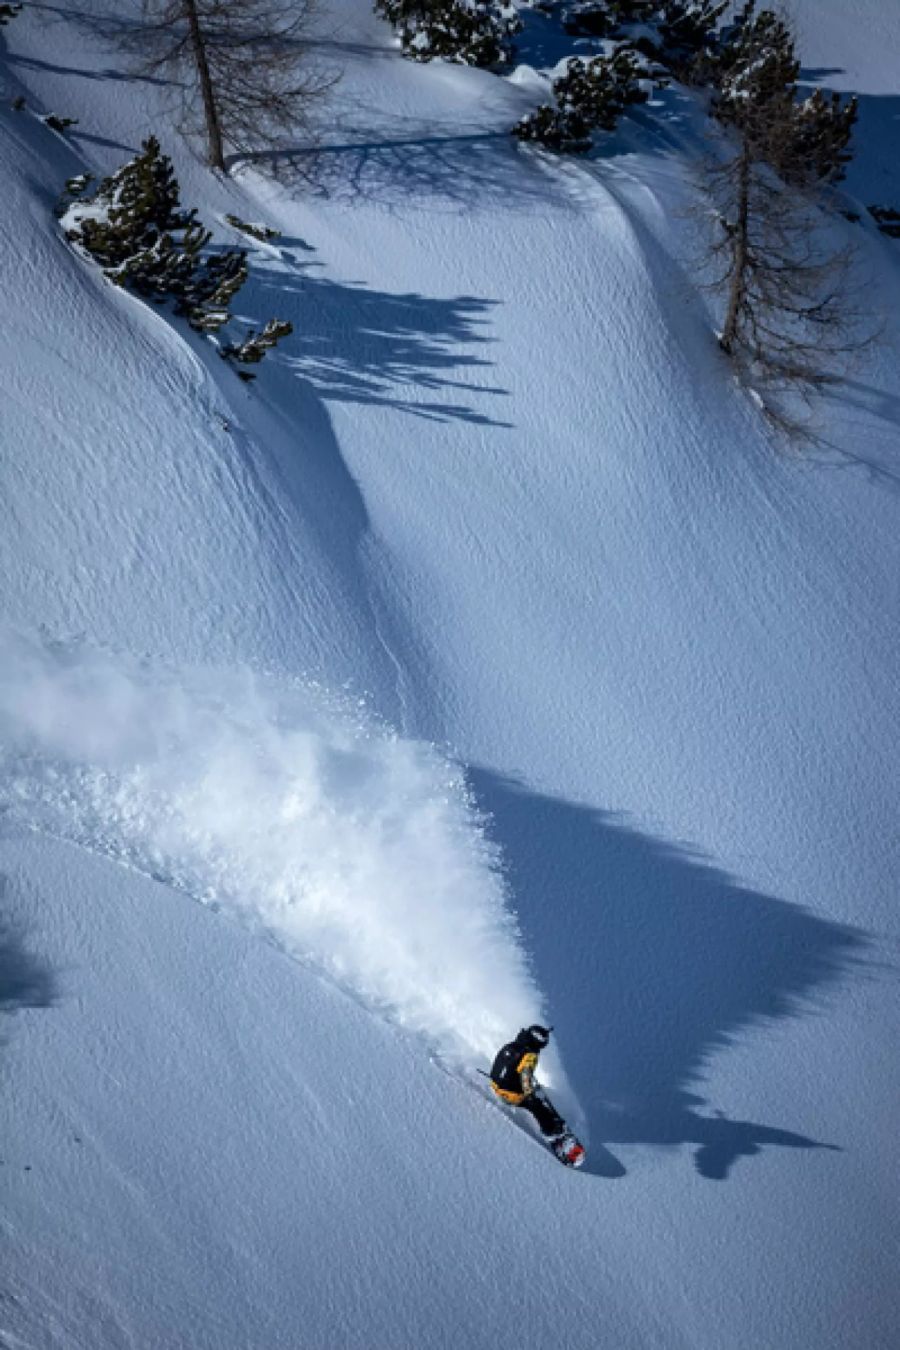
x=591, y=96
x=471, y=32
x=134, y=227
x=131, y=210
x=8, y=13
x=688, y=28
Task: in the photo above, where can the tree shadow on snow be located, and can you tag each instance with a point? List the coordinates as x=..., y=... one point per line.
x=355, y=344
x=25, y=980
x=653, y=961
x=406, y=164
x=110, y=73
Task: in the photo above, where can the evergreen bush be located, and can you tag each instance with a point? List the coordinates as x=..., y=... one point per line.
x=264, y=233
x=135, y=228
x=255, y=345
x=674, y=32
x=688, y=29
x=470, y=32
x=591, y=96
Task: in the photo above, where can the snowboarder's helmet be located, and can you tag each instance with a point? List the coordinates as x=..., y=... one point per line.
x=538, y=1036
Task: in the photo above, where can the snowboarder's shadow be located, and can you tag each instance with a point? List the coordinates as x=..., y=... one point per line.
x=653, y=961
x=722, y=1141
x=601, y=1162
x=719, y=1141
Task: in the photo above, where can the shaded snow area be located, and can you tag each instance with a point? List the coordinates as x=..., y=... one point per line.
x=488, y=659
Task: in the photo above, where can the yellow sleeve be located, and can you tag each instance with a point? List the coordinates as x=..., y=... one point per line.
x=525, y=1069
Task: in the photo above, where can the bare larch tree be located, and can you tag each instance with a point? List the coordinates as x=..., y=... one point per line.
x=787, y=306
x=243, y=67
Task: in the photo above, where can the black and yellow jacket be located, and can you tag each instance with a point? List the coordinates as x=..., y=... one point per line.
x=512, y=1073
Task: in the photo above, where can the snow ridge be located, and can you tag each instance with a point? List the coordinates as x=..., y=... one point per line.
x=356, y=850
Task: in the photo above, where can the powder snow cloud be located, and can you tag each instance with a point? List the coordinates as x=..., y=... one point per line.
x=357, y=851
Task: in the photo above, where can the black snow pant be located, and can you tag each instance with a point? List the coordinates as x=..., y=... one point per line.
x=550, y=1122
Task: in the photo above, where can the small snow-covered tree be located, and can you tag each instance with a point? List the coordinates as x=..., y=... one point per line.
x=254, y=346
x=591, y=96
x=470, y=32
x=136, y=229
x=8, y=12
x=688, y=29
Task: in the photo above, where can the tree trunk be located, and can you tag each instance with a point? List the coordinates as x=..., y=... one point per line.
x=737, y=289
x=216, y=153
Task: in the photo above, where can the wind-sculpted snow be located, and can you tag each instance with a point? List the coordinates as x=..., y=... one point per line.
x=354, y=849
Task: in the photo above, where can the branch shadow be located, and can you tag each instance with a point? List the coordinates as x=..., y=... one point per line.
x=110, y=73
x=464, y=172
x=877, y=455
x=103, y=20
x=354, y=344
x=654, y=962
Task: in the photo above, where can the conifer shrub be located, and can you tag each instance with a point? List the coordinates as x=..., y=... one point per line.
x=673, y=32
x=608, y=18
x=255, y=345
x=590, y=97
x=264, y=233
x=470, y=32
x=688, y=35
x=135, y=229
x=8, y=13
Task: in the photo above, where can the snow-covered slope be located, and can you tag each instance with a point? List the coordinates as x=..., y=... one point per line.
x=498, y=494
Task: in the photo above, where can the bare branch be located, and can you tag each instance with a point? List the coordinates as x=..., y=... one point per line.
x=243, y=67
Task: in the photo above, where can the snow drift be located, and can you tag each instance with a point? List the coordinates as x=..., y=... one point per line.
x=356, y=850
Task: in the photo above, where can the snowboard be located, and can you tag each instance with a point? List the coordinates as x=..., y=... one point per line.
x=569, y=1150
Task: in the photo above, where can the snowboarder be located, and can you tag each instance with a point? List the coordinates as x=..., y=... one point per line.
x=512, y=1078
